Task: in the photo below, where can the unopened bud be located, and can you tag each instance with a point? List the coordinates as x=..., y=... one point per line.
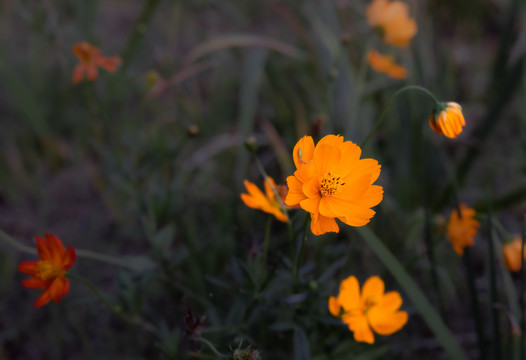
x=192, y=130
x=251, y=144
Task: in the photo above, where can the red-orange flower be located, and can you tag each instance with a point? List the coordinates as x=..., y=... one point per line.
x=448, y=120
x=386, y=65
x=267, y=203
x=332, y=182
x=392, y=20
x=512, y=254
x=372, y=308
x=90, y=58
x=50, y=272
x=461, y=231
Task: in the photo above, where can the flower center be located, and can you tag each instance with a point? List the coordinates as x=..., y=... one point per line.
x=330, y=184
x=368, y=304
x=46, y=270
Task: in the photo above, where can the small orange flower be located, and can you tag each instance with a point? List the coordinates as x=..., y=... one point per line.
x=90, y=58
x=371, y=309
x=386, y=65
x=269, y=204
x=332, y=182
x=512, y=254
x=391, y=19
x=50, y=272
x=447, y=120
x=461, y=231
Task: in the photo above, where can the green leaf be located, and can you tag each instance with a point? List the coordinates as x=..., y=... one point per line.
x=426, y=310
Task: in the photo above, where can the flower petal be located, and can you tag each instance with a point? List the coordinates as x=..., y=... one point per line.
x=28, y=267
x=391, y=301
x=311, y=205
x=43, y=249
x=303, y=152
x=385, y=322
x=349, y=297
x=334, y=306
x=373, y=288
x=327, y=158
x=35, y=283
x=359, y=326
x=68, y=258
x=320, y=225
x=295, y=194
x=43, y=299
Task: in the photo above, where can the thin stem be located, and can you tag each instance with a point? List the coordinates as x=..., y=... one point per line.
x=474, y=302
x=88, y=254
x=210, y=346
x=297, y=258
x=494, y=315
x=393, y=98
x=266, y=241
x=521, y=296
x=136, y=320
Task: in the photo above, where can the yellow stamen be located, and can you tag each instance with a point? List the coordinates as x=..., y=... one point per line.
x=330, y=184
x=46, y=270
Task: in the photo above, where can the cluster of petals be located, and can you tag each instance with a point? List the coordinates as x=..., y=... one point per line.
x=371, y=308
x=267, y=202
x=462, y=230
x=512, y=254
x=386, y=65
x=50, y=272
x=90, y=58
x=392, y=20
x=332, y=182
x=448, y=120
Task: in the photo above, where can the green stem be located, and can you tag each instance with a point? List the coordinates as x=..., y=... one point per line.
x=494, y=315
x=138, y=31
x=88, y=254
x=134, y=321
x=521, y=296
x=474, y=302
x=297, y=259
x=210, y=346
x=417, y=297
x=393, y=98
x=266, y=241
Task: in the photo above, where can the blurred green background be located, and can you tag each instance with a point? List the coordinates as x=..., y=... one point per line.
x=147, y=165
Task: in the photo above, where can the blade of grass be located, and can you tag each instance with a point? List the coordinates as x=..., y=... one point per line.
x=426, y=310
x=494, y=315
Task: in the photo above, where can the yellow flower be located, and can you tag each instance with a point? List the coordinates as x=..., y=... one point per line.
x=371, y=309
x=269, y=204
x=386, y=65
x=461, y=231
x=392, y=20
x=447, y=120
x=512, y=254
x=332, y=182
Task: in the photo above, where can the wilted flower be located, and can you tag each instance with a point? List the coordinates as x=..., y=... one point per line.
x=461, y=230
x=391, y=19
x=50, y=272
x=386, y=65
x=90, y=58
x=512, y=254
x=372, y=308
x=447, y=120
x=268, y=203
x=332, y=182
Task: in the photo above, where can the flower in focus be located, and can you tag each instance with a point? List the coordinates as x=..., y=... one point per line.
x=447, y=120
x=512, y=254
x=386, y=65
x=372, y=308
x=268, y=203
x=50, y=272
x=391, y=19
x=332, y=182
x=461, y=230
x=90, y=59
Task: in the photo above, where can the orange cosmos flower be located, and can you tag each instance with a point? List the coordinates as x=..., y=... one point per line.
x=447, y=120
x=50, y=272
x=269, y=203
x=332, y=182
x=512, y=254
x=392, y=20
x=386, y=65
x=90, y=58
x=371, y=309
x=461, y=231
